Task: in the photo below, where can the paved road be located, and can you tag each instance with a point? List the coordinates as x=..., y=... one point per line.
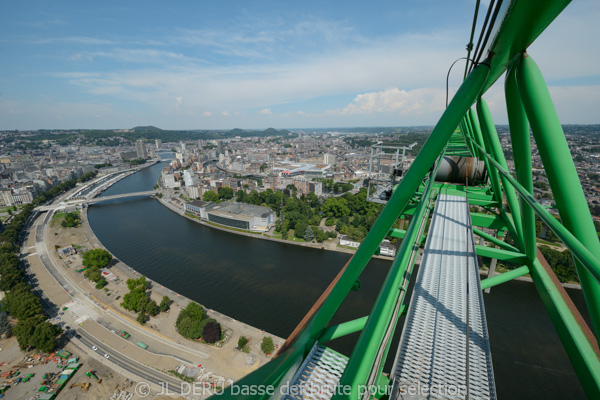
x=147, y=374
x=84, y=341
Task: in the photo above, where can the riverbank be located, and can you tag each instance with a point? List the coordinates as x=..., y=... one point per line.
x=328, y=245
x=234, y=327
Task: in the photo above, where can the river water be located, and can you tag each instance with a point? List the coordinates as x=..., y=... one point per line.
x=272, y=285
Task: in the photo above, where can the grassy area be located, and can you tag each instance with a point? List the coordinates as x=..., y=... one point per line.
x=5, y=209
x=542, y=241
x=181, y=376
x=59, y=215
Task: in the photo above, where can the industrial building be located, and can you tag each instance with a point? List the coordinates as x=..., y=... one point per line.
x=236, y=215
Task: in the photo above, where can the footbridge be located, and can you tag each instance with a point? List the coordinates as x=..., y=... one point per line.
x=79, y=201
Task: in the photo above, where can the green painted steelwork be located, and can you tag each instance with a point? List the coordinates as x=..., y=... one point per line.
x=494, y=240
x=337, y=331
x=561, y=173
x=519, y=133
x=461, y=131
x=493, y=144
x=504, y=277
x=488, y=221
x=589, y=260
x=501, y=254
x=368, y=358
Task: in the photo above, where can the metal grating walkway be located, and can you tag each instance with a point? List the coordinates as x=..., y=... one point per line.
x=318, y=376
x=436, y=358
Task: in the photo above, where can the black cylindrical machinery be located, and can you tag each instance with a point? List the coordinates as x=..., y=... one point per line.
x=457, y=169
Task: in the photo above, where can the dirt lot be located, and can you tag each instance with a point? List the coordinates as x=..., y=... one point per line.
x=13, y=359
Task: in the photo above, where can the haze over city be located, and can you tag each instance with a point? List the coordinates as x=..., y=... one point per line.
x=288, y=65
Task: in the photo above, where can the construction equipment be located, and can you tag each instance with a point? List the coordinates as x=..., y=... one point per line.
x=91, y=374
x=84, y=386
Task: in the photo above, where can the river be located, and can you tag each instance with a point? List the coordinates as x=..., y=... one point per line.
x=272, y=285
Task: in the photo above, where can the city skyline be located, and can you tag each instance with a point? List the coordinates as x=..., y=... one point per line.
x=208, y=66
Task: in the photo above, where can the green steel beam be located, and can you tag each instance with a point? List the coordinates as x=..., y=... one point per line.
x=434, y=145
x=397, y=233
x=521, y=146
x=346, y=328
x=504, y=277
x=359, y=368
x=368, y=358
x=589, y=260
x=490, y=137
x=518, y=24
x=492, y=175
x=501, y=254
x=488, y=221
x=561, y=173
x=495, y=240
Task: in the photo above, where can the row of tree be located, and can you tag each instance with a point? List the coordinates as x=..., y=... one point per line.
x=32, y=328
x=87, y=176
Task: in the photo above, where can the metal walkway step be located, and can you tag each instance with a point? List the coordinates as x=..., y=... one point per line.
x=444, y=350
x=318, y=376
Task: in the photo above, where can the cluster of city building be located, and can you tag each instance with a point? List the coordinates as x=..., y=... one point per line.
x=299, y=160
x=25, y=173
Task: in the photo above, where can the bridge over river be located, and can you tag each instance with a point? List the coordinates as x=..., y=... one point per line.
x=79, y=201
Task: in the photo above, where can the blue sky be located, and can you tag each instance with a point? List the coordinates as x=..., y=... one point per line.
x=259, y=64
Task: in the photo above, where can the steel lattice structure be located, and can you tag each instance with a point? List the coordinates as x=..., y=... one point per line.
x=466, y=127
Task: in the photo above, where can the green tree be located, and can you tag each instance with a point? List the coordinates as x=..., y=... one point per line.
x=300, y=228
x=71, y=220
x=5, y=327
x=191, y=321
x=101, y=283
x=165, y=304
x=25, y=328
x=267, y=346
x=225, y=193
x=309, y=235
x=240, y=196
x=99, y=258
x=44, y=337
x=242, y=344
x=210, y=196
x=152, y=308
x=140, y=283
x=142, y=318
x=336, y=207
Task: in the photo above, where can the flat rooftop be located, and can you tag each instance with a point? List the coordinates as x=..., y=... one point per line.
x=240, y=210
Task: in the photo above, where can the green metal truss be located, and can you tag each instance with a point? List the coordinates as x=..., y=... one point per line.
x=466, y=128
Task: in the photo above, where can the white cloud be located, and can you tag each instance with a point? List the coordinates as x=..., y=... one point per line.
x=225, y=113
x=207, y=113
x=178, y=101
x=394, y=100
x=265, y=111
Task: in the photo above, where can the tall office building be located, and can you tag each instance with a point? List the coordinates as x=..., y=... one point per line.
x=140, y=149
